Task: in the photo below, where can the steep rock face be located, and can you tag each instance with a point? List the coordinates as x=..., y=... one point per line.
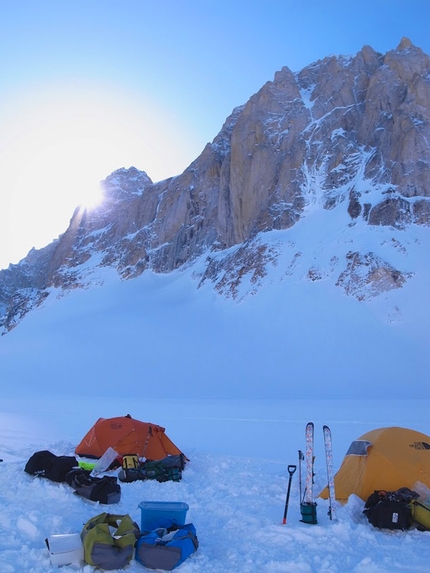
x=103, y=230
x=349, y=132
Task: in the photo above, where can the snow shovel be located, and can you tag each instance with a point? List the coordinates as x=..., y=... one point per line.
x=291, y=470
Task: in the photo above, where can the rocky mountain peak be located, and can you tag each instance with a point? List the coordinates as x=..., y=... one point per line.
x=345, y=133
x=405, y=44
x=125, y=184
x=407, y=61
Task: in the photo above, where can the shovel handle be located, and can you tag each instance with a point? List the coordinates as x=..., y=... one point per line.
x=291, y=469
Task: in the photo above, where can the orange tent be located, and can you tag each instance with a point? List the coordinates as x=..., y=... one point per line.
x=126, y=436
x=383, y=459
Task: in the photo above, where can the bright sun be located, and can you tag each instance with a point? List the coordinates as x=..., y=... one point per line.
x=58, y=144
x=92, y=197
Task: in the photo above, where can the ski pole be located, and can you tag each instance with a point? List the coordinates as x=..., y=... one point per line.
x=301, y=458
x=291, y=470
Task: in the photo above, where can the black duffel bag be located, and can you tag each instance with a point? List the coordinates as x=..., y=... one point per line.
x=48, y=465
x=390, y=509
x=103, y=489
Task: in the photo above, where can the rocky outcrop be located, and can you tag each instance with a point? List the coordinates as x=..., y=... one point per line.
x=243, y=269
x=343, y=132
x=367, y=276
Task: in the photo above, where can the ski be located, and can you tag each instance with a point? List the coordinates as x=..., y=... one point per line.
x=330, y=477
x=307, y=505
x=309, y=480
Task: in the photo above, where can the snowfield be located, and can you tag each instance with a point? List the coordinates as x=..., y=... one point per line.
x=235, y=484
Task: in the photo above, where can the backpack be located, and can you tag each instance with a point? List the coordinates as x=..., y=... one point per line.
x=48, y=465
x=104, y=489
x=109, y=540
x=166, y=548
x=390, y=510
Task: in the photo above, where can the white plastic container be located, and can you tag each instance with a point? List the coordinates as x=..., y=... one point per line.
x=65, y=548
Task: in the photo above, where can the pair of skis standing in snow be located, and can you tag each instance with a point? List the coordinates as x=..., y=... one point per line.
x=307, y=503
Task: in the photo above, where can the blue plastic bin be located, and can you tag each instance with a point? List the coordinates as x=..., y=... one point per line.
x=162, y=514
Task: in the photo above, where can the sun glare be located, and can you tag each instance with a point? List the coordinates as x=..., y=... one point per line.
x=90, y=197
x=59, y=144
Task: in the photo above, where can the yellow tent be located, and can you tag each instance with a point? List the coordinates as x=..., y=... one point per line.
x=383, y=459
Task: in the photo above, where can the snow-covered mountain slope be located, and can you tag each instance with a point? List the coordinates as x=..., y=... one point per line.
x=266, y=330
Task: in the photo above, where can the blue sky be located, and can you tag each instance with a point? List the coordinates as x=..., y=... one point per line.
x=88, y=86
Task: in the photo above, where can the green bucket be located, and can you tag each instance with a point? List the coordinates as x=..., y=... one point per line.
x=308, y=511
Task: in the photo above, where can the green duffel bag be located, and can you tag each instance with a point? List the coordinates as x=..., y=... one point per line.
x=109, y=540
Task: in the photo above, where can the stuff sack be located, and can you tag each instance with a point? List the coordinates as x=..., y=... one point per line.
x=109, y=540
x=421, y=514
x=48, y=465
x=130, y=461
x=166, y=548
x=104, y=489
x=390, y=510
